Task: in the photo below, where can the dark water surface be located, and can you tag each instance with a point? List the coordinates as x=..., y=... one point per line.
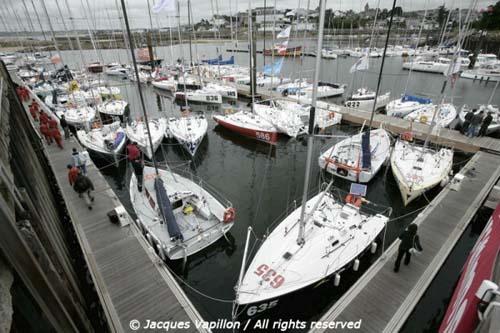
x=262, y=181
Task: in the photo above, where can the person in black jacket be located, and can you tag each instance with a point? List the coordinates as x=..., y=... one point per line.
x=65, y=127
x=468, y=117
x=484, y=126
x=409, y=240
x=83, y=186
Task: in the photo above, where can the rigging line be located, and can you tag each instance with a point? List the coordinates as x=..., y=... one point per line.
x=261, y=192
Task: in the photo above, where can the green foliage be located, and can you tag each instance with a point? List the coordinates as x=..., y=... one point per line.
x=442, y=15
x=490, y=20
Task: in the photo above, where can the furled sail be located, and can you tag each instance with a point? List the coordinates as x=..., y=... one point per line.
x=166, y=210
x=366, y=160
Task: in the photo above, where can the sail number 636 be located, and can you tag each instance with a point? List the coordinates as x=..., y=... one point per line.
x=269, y=275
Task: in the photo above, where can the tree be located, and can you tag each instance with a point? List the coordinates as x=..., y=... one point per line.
x=490, y=19
x=398, y=11
x=442, y=15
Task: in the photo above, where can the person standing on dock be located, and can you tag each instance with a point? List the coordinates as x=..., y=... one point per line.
x=475, y=124
x=79, y=161
x=73, y=172
x=83, y=186
x=467, y=119
x=484, y=126
x=135, y=158
x=65, y=127
x=52, y=122
x=44, y=118
x=410, y=243
x=56, y=135
x=44, y=129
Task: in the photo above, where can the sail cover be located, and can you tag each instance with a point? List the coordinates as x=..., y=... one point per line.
x=219, y=61
x=366, y=161
x=421, y=100
x=166, y=210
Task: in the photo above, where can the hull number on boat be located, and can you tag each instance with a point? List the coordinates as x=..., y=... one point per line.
x=263, y=136
x=253, y=310
x=269, y=275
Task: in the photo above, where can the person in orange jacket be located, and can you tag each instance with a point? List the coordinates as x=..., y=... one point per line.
x=44, y=129
x=56, y=135
x=52, y=122
x=44, y=118
x=34, y=113
x=73, y=172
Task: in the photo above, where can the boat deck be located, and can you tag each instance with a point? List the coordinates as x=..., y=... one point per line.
x=384, y=299
x=130, y=280
x=444, y=136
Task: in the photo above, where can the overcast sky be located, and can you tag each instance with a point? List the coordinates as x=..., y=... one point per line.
x=13, y=13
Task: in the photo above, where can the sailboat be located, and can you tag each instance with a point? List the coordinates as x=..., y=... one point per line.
x=363, y=99
x=331, y=235
x=356, y=158
x=445, y=115
x=418, y=169
x=177, y=215
x=106, y=140
x=286, y=121
x=406, y=105
x=189, y=131
x=115, y=107
x=138, y=131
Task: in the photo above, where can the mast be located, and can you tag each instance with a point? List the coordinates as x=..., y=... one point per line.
x=251, y=44
x=310, y=139
x=381, y=68
x=64, y=25
x=52, y=31
x=71, y=19
x=189, y=34
x=141, y=96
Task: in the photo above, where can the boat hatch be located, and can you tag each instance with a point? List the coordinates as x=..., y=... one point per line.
x=287, y=256
x=344, y=215
x=417, y=168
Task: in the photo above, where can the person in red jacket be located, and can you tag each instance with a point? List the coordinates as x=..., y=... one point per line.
x=73, y=172
x=35, y=105
x=135, y=158
x=44, y=129
x=56, y=135
x=44, y=118
x=52, y=122
x=34, y=113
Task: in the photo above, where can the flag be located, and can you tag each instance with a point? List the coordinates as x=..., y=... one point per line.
x=285, y=33
x=360, y=65
x=273, y=69
x=166, y=5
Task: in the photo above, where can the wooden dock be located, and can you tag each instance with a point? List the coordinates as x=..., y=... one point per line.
x=384, y=299
x=131, y=281
x=444, y=136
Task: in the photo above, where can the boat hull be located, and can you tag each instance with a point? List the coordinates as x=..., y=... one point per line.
x=254, y=133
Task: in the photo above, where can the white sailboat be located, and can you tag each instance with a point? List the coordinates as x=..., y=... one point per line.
x=356, y=158
x=114, y=107
x=201, y=96
x=444, y=117
x=405, y=105
x=286, y=121
x=79, y=116
x=223, y=90
x=107, y=140
x=177, y=215
x=165, y=84
x=189, y=131
x=137, y=132
x=418, y=169
x=363, y=99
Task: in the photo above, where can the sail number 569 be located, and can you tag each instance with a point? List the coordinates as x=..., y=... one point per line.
x=269, y=275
